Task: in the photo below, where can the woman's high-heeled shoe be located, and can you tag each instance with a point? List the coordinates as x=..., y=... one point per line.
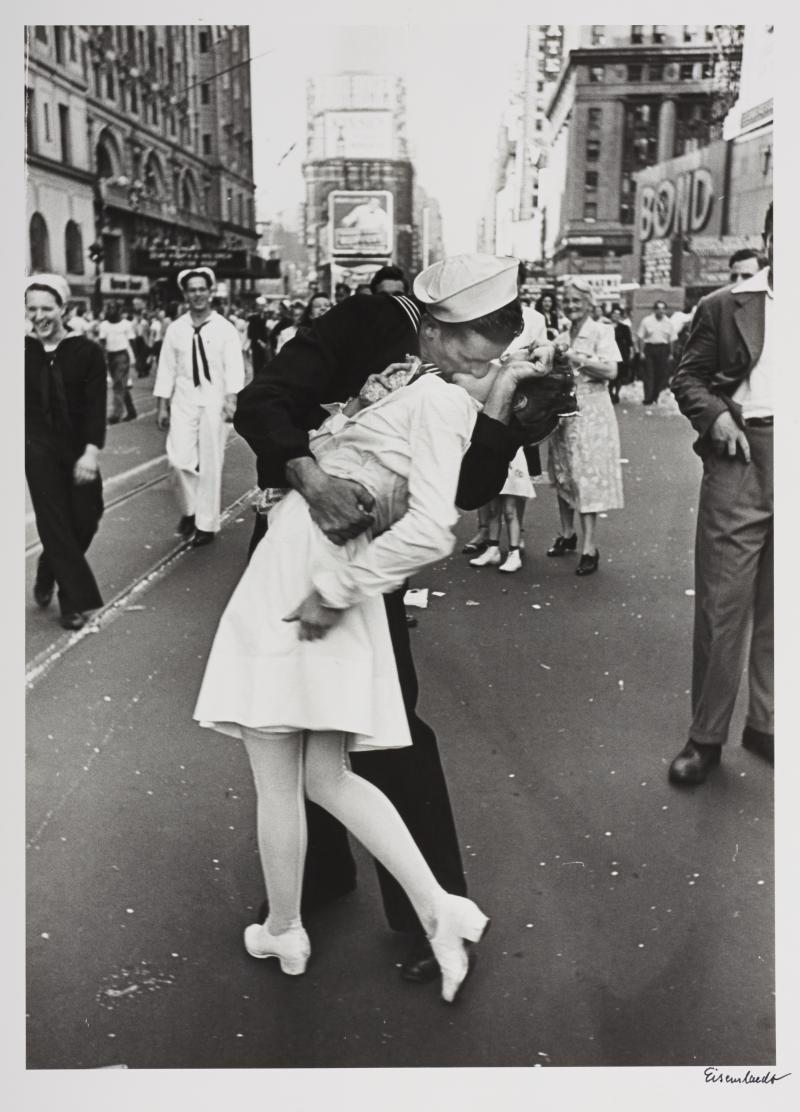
x=458, y=921
x=292, y=948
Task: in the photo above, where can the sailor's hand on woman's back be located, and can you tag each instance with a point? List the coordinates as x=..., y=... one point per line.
x=340, y=507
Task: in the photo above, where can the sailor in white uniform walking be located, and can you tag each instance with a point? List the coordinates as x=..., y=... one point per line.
x=200, y=372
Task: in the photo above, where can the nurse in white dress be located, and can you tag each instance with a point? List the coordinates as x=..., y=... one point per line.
x=302, y=668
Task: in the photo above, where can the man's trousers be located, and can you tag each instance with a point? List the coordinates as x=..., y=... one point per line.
x=655, y=371
x=734, y=592
x=67, y=517
x=196, y=450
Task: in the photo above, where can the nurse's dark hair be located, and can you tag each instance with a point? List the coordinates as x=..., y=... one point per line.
x=42, y=288
x=501, y=326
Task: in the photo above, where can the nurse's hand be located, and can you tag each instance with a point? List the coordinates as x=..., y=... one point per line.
x=314, y=618
x=340, y=507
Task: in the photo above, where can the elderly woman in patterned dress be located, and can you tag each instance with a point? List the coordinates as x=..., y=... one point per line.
x=584, y=453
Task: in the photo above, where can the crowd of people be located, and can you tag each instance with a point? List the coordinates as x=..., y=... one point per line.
x=374, y=416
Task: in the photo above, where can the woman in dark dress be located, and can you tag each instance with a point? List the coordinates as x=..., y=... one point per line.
x=65, y=423
x=624, y=338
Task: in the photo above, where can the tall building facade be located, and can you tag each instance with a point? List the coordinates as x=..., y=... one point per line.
x=511, y=219
x=139, y=147
x=360, y=190
x=626, y=98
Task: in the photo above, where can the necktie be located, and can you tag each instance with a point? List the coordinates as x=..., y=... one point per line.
x=197, y=345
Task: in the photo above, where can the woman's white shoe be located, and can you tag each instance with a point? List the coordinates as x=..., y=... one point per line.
x=488, y=558
x=292, y=949
x=513, y=561
x=457, y=921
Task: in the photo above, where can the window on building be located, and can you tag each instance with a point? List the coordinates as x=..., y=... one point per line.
x=709, y=34
x=110, y=89
x=154, y=110
x=688, y=33
x=655, y=71
x=235, y=39
x=595, y=119
x=173, y=130
x=41, y=34
x=692, y=126
x=73, y=49
x=637, y=33
x=112, y=250
x=64, y=134
x=58, y=37
x=640, y=139
x=540, y=86
x=133, y=93
x=47, y=136
x=687, y=71
x=635, y=72
x=140, y=40
x=206, y=143
x=162, y=68
x=237, y=87
x=241, y=208
x=592, y=180
x=73, y=248
x=205, y=93
x=151, y=47
x=708, y=70
x=597, y=74
x=627, y=203
x=105, y=167
x=30, y=120
x=592, y=150
x=598, y=34
x=538, y=125
x=203, y=42
x=659, y=33
x=590, y=210
x=39, y=241
x=130, y=35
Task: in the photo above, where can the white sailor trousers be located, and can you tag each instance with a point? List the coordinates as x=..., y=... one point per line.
x=196, y=451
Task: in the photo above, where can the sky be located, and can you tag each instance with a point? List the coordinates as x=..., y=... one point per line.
x=458, y=80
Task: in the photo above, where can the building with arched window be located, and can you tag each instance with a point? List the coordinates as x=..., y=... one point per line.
x=138, y=139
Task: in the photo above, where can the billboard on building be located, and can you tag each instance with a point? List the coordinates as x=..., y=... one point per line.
x=355, y=134
x=361, y=222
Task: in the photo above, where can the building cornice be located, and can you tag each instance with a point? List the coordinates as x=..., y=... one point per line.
x=48, y=69
x=61, y=169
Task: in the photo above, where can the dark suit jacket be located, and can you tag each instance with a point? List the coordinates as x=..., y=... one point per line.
x=724, y=344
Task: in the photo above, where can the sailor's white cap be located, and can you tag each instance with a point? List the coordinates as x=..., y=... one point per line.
x=55, y=282
x=465, y=287
x=193, y=271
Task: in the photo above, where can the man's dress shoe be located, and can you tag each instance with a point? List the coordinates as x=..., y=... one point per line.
x=694, y=762
x=201, y=538
x=763, y=745
x=420, y=966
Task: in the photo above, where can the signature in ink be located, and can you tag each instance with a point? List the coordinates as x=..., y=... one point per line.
x=714, y=1075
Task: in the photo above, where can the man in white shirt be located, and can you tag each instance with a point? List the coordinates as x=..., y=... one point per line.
x=655, y=338
x=725, y=386
x=200, y=372
x=116, y=336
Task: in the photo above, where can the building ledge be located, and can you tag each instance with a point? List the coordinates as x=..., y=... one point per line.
x=61, y=169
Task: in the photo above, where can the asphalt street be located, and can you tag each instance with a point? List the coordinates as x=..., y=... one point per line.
x=633, y=922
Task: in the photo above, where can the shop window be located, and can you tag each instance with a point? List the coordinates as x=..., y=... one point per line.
x=590, y=210
x=635, y=73
x=637, y=33
x=39, y=239
x=597, y=74
x=73, y=248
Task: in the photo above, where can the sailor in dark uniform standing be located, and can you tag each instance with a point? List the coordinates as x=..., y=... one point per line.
x=465, y=311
